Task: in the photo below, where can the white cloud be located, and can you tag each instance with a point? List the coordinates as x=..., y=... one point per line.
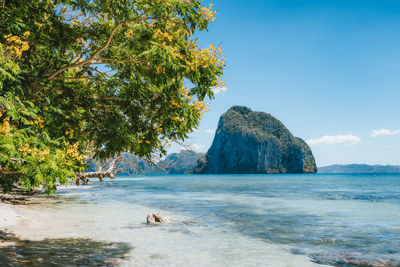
x=375, y=133
x=195, y=147
x=218, y=90
x=335, y=139
x=210, y=131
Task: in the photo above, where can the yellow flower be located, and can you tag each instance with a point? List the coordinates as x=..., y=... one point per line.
x=129, y=33
x=6, y=127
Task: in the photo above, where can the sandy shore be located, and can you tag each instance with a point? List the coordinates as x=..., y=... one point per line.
x=12, y=205
x=9, y=215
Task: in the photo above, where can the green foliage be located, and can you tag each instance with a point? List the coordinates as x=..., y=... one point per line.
x=28, y=155
x=100, y=78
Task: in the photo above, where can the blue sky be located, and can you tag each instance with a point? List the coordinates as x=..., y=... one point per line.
x=329, y=70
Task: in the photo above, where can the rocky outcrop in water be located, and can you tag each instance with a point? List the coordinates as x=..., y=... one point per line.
x=155, y=218
x=255, y=142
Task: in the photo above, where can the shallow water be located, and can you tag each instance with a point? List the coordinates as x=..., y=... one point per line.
x=232, y=220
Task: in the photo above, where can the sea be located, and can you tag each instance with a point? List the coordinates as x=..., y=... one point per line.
x=217, y=220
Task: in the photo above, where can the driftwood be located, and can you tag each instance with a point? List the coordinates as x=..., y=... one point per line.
x=110, y=172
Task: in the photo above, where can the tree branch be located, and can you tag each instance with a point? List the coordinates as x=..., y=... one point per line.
x=54, y=74
x=100, y=72
x=119, y=60
x=100, y=174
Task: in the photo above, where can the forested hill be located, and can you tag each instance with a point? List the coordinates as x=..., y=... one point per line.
x=359, y=168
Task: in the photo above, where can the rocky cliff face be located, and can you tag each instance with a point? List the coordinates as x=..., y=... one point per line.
x=255, y=142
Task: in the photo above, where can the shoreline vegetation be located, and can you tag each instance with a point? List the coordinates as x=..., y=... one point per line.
x=128, y=77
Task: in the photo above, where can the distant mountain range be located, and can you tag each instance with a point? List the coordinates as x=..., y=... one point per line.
x=359, y=168
x=175, y=163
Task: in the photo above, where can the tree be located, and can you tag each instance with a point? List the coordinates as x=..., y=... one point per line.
x=95, y=78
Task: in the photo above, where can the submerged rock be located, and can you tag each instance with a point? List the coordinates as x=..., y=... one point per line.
x=354, y=259
x=155, y=218
x=255, y=142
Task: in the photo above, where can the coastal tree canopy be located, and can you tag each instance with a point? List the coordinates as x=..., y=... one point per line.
x=95, y=78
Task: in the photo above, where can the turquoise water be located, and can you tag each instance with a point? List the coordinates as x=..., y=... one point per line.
x=240, y=220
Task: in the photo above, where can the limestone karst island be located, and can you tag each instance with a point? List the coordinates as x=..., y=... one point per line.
x=199, y=133
x=255, y=142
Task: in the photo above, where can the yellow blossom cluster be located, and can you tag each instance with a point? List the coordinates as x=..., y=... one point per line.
x=178, y=55
x=205, y=57
x=34, y=152
x=70, y=133
x=72, y=150
x=208, y=13
x=200, y=106
x=40, y=154
x=39, y=121
x=197, y=105
x=129, y=33
x=163, y=36
x=157, y=129
x=216, y=55
x=186, y=94
x=160, y=70
x=176, y=118
x=175, y=104
x=211, y=55
x=40, y=25
x=25, y=149
x=143, y=140
x=16, y=45
x=5, y=128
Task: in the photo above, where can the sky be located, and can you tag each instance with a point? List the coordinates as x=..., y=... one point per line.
x=328, y=69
